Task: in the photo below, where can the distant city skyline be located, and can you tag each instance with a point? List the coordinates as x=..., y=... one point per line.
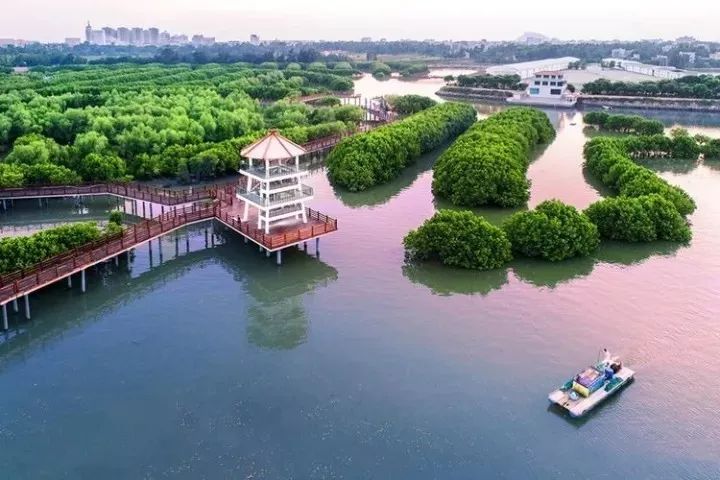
x=229, y=20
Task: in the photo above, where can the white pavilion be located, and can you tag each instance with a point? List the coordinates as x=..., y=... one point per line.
x=273, y=183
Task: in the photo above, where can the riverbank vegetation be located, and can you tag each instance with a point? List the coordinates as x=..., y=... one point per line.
x=487, y=164
x=140, y=122
x=693, y=86
x=22, y=252
x=552, y=231
x=459, y=239
x=364, y=160
x=624, y=123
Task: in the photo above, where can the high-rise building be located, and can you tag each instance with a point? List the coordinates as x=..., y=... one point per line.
x=123, y=35
x=154, y=36
x=110, y=35
x=137, y=36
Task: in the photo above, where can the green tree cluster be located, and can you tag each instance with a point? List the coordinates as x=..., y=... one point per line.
x=624, y=123
x=410, y=104
x=487, y=164
x=639, y=219
x=552, y=231
x=22, y=252
x=502, y=82
x=608, y=159
x=368, y=159
x=459, y=239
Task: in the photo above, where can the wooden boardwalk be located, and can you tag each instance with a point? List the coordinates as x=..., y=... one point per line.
x=213, y=202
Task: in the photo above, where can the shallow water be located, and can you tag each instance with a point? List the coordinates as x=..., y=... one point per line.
x=215, y=363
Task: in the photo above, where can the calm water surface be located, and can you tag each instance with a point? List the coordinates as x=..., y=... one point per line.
x=214, y=363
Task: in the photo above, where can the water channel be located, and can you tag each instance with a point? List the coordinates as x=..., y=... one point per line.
x=213, y=362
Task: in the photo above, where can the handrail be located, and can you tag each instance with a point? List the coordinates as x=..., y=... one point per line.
x=131, y=190
x=14, y=283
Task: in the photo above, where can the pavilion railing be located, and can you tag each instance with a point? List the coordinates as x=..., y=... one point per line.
x=278, y=240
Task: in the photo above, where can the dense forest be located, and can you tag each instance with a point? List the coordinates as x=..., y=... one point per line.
x=67, y=125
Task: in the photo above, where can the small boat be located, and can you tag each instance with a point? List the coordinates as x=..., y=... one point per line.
x=592, y=386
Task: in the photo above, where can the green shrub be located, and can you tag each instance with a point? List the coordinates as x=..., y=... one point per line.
x=553, y=231
x=638, y=219
x=459, y=239
x=487, y=164
x=624, y=123
x=368, y=159
x=409, y=104
x=116, y=217
x=24, y=252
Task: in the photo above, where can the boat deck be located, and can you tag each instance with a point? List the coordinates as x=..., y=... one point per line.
x=581, y=406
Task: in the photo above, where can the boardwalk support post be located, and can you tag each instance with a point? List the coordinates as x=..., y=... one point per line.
x=267, y=253
x=5, y=316
x=279, y=257
x=117, y=260
x=82, y=280
x=160, y=250
x=15, y=306
x=69, y=281
x=27, y=306
x=317, y=245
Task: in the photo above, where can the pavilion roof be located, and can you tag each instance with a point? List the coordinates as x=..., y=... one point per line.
x=272, y=146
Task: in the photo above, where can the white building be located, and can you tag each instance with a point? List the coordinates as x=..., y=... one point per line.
x=528, y=69
x=548, y=88
x=645, y=69
x=273, y=181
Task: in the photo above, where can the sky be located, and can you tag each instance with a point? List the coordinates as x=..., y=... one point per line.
x=53, y=20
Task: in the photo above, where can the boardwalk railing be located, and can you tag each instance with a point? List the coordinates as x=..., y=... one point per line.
x=278, y=240
x=130, y=190
x=19, y=282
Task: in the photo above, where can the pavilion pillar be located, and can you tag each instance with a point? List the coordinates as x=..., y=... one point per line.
x=5, y=316
x=27, y=306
